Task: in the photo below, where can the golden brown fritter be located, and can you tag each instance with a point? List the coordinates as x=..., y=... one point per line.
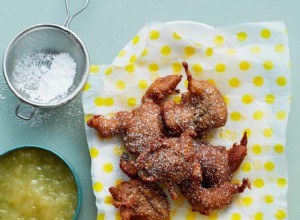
x=202, y=108
x=142, y=126
x=162, y=87
x=128, y=166
x=237, y=153
x=217, y=163
x=171, y=160
x=138, y=128
x=138, y=200
x=207, y=200
x=108, y=127
x=160, y=135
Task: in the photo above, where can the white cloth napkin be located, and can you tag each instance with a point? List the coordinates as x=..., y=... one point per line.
x=248, y=62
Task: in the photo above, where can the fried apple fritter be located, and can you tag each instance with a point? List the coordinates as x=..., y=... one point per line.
x=138, y=200
x=171, y=160
x=207, y=200
x=128, y=166
x=217, y=163
x=142, y=126
x=202, y=108
x=161, y=88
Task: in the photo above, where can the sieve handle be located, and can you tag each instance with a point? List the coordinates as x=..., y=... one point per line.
x=22, y=116
x=69, y=18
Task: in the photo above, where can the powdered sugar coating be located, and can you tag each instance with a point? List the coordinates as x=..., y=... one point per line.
x=43, y=77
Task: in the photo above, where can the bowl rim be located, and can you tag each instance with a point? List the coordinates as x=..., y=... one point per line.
x=37, y=27
x=63, y=159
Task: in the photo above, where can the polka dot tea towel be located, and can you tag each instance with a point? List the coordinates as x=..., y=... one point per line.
x=250, y=65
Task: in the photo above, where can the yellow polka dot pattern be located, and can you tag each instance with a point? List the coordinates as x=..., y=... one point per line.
x=269, y=166
x=259, y=216
x=176, y=36
x=131, y=101
x=135, y=40
x=246, y=167
x=145, y=52
x=143, y=84
x=268, y=132
x=101, y=216
x=235, y=116
x=108, y=200
x=255, y=49
x=236, y=216
x=191, y=216
x=231, y=51
x=122, y=53
x=279, y=48
x=94, y=152
x=258, y=81
x=219, y=40
x=99, y=101
x=209, y=52
x=279, y=149
x=247, y=99
x=154, y=35
x=280, y=214
x=132, y=59
x=242, y=36
x=281, y=182
x=120, y=85
x=270, y=98
x=213, y=216
x=130, y=68
x=259, y=183
x=108, y=167
x=87, y=87
x=176, y=67
x=153, y=67
x=268, y=65
x=220, y=67
x=258, y=115
x=256, y=149
x=166, y=50
x=234, y=82
x=118, y=216
x=281, y=81
x=94, y=68
x=248, y=63
x=245, y=65
x=269, y=199
x=119, y=150
x=189, y=51
x=247, y=201
x=98, y=187
x=197, y=68
x=265, y=33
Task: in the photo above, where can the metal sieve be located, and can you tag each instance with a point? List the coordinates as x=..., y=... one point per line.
x=47, y=39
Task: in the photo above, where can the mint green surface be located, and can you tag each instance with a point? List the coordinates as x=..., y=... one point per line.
x=105, y=27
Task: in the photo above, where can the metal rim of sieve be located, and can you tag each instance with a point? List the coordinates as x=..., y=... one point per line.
x=36, y=28
x=64, y=28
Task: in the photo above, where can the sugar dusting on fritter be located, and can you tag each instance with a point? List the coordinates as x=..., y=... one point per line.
x=175, y=159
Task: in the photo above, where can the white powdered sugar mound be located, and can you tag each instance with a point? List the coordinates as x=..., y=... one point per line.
x=44, y=78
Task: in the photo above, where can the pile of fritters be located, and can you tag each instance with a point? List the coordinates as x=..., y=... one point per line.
x=165, y=140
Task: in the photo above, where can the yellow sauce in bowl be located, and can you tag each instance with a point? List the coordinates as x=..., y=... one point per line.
x=35, y=184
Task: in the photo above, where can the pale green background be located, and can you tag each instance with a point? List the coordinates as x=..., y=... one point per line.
x=105, y=27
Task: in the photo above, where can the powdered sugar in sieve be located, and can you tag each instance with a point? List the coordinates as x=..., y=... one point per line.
x=43, y=77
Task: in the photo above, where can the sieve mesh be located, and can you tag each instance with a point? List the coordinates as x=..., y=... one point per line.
x=47, y=39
